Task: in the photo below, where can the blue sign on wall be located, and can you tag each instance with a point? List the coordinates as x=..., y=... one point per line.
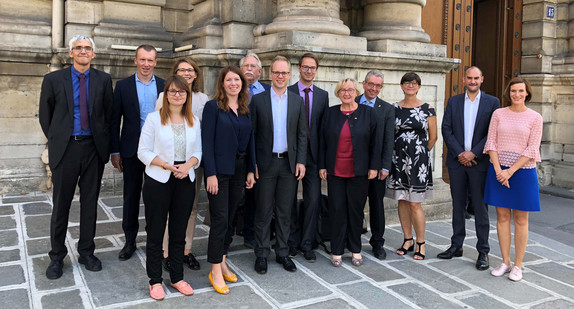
x=550, y=12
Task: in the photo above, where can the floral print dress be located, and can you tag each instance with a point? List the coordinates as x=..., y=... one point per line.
x=410, y=177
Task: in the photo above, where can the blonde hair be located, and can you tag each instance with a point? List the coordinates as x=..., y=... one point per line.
x=342, y=82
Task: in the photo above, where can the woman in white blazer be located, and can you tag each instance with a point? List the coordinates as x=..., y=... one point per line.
x=170, y=148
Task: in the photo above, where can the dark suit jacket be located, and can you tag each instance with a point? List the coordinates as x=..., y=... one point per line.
x=265, y=86
x=319, y=105
x=219, y=142
x=262, y=119
x=386, y=116
x=364, y=137
x=126, y=105
x=453, y=129
x=57, y=112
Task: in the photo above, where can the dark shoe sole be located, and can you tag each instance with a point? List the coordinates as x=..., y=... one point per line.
x=90, y=268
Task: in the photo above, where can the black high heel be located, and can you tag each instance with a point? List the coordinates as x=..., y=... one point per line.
x=418, y=253
x=403, y=250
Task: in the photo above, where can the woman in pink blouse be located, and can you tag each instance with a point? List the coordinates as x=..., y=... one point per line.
x=512, y=184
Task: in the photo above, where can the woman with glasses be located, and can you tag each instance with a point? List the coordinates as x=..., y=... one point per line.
x=188, y=69
x=229, y=160
x=410, y=177
x=351, y=152
x=170, y=148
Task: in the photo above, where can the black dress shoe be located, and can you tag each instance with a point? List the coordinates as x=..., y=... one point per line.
x=261, y=265
x=54, y=270
x=482, y=262
x=191, y=262
x=292, y=252
x=450, y=253
x=127, y=251
x=91, y=262
x=310, y=256
x=380, y=253
x=287, y=263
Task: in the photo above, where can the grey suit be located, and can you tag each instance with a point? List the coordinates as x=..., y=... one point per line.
x=277, y=183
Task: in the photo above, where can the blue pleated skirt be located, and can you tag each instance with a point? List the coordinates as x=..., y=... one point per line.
x=523, y=192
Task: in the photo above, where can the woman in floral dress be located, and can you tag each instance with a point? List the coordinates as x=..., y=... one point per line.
x=410, y=177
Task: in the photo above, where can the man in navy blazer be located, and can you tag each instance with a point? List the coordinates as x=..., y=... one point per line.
x=134, y=99
x=465, y=130
x=304, y=220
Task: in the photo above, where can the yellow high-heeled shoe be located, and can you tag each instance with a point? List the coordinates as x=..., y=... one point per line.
x=219, y=289
x=230, y=278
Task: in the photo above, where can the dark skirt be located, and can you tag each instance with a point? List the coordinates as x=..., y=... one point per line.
x=523, y=192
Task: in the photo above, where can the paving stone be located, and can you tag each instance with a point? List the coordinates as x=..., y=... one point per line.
x=549, y=253
x=483, y=301
x=7, y=223
x=441, y=228
x=435, y=279
x=552, y=244
x=113, y=201
x=198, y=279
x=438, y=239
x=555, y=304
x=421, y=296
x=119, y=212
x=371, y=296
x=106, y=229
x=495, y=251
x=373, y=269
x=38, y=226
x=13, y=274
x=38, y=246
x=14, y=299
x=329, y=304
x=75, y=213
x=516, y=292
x=140, y=239
x=24, y=199
x=64, y=300
x=556, y=271
x=42, y=283
x=37, y=208
x=8, y=238
x=9, y=255
x=292, y=286
x=6, y=210
x=323, y=269
x=101, y=243
x=553, y=285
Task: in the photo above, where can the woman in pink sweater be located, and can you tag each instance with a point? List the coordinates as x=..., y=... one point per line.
x=513, y=145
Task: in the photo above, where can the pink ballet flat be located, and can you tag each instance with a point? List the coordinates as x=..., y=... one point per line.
x=500, y=270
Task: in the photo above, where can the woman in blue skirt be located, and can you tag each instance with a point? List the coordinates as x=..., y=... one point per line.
x=513, y=145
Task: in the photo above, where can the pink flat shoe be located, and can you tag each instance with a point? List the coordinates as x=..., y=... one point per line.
x=515, y=274
x=500, y=270
x=183, y=287
x=156, y=291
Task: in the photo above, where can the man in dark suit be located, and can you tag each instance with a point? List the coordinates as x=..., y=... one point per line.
x=134, y=99
x=280, y=150
x=304, y=220
x=75, y=114
x=385, y=112
x=465, y=130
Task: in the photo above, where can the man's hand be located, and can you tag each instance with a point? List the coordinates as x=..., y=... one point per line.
x=117, y=162
x=323, y=174
x=372, y=174
x=383, y=174
x=466, y=157
x=212, y=185
x=299, y=171
x=250, y=180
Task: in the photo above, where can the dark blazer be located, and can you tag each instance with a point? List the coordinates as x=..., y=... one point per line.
x=265, y=86
x=386, y=116
x=262, y=119
x=319, y=106
x=126, y=106
x=219, y=141
x=56, y=112
x=453, y=129
x=364, y=131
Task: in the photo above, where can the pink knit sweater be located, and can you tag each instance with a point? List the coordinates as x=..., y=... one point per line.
x=515, y=134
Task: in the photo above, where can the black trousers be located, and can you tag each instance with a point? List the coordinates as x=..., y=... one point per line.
x=222, y=208
x=462, y=181
x=347, y=197
x=377, y=212
x=304, y=219
x=175, y=197
x=80, y=166
x=133, y=170
x=249, y=206
x=275, y=194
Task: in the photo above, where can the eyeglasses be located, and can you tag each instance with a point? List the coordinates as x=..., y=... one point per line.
x=174, y=92
x=277, y=73
x=413, y=84
x=188, y=71
x=79, y=48
x=373, y=85
x=308, y=68
x=350, y=91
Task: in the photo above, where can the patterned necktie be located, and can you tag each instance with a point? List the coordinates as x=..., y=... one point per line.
x=251, y=89
x=83, y=103
x=306, y=90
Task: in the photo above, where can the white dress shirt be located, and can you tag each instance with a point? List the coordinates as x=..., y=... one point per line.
x=470, y=111
x=279, y=111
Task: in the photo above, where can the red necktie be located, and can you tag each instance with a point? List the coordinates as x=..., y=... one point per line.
x=83, y=103
x=306, y=90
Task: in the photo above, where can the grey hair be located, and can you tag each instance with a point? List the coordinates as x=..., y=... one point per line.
x=81, y=38
x=376, y=73
x=251, y=55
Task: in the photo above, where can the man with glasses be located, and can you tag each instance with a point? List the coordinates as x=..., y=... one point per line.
x=75, y=112
x=280, y=132
x=134, y=99
x=385, y=112
x=304, y=220
x=251, y=67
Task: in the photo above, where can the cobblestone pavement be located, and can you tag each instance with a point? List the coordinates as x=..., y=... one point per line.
x=397, y=282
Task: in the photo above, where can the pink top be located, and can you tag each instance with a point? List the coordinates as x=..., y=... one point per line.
x=515, y=134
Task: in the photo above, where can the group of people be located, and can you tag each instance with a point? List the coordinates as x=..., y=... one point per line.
x=252, y=144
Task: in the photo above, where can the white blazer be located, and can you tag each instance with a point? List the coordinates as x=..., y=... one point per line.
x=157, y=140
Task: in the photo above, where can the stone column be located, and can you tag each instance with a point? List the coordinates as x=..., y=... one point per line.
x=571, y=29
x=307, y=23
x=392, y=20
